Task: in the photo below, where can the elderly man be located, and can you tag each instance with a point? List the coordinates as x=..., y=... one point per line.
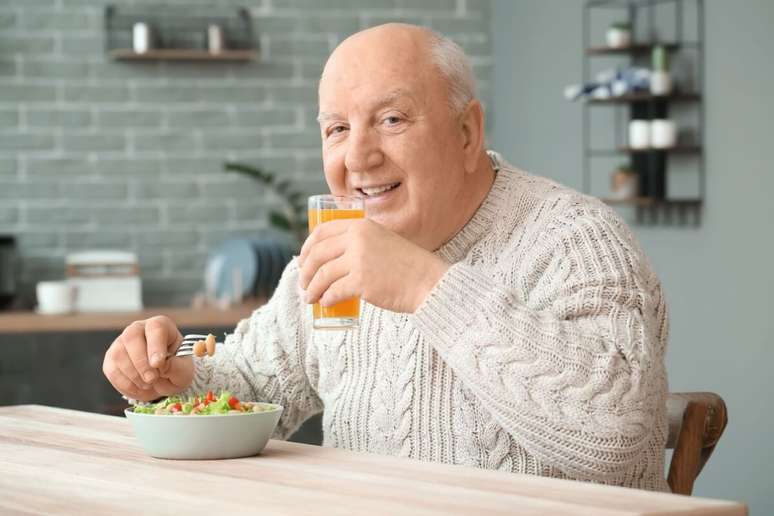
x=508, y=323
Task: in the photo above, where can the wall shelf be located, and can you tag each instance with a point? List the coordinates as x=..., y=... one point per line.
x=179, y=33
x=647, y=97
x=173, y=54
x=641, y=48
x=655, y=203
x=680, y=149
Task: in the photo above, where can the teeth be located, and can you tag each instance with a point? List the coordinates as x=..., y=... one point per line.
x=376, y=190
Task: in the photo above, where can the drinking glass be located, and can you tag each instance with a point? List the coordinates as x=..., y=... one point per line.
x=324, y=208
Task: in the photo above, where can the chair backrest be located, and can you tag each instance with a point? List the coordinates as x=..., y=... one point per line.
x=696, y=422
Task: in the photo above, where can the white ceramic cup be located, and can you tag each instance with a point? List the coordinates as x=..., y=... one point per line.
x=617, y=38
x=55, y=297
x=639, y=134
x=663, y=134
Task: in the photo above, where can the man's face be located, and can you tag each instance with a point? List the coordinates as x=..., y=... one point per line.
x=389, y=135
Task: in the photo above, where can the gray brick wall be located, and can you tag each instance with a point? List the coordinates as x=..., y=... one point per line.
x=110, y=154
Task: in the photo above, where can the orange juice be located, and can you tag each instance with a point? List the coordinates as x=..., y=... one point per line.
x=348, y=309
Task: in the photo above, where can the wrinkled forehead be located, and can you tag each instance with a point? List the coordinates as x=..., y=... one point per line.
x=362, y=74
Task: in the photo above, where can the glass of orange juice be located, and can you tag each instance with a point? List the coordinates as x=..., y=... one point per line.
x=324, y=208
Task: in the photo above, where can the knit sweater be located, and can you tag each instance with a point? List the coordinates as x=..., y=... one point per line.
x=540, y=351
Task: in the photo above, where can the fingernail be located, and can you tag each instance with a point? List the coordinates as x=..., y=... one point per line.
x=149, y=377
x=156, y=358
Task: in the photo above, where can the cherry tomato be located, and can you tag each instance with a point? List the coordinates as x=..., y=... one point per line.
x=177, y=407
x=210, y=396
x=234, y=403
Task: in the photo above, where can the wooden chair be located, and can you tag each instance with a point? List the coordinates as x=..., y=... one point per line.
x=696, y=422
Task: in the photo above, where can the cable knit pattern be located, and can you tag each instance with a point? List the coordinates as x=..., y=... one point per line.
x=540, y=351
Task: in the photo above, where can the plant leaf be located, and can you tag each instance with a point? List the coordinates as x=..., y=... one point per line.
x=248, y=170
x=279, y=221
x=281, y=186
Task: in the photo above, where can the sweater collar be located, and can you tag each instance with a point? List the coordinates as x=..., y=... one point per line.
x=455, y=249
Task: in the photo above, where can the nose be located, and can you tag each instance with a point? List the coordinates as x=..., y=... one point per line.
x=363, y=150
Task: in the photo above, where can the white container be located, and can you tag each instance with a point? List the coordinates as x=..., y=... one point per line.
x=107, y=281
x=215, y=39
x=140, y=37
x=639, y=134
x=55, y=297
x=660, y=82
x=663, y=134
x=618, y=38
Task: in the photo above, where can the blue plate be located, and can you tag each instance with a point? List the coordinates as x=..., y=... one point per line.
x=234, y=255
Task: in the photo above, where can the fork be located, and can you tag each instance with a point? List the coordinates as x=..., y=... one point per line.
x=185, y=349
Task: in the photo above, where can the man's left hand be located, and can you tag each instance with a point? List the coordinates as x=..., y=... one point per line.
x=349, y=258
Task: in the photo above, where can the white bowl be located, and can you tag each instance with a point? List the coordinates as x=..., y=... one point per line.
x=226, y=436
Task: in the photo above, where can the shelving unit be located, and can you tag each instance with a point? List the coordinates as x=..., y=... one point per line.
x=650, y=164
x=179, y=33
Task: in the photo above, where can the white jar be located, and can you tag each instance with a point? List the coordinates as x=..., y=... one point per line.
x=639, y=134
x=660, y=82
x=618, y=38
x=140, y=37
x=663, y=134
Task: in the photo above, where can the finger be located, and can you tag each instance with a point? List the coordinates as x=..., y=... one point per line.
x=321, y=232
x=164, y=387
x=340, y=290
x=325, y=276
x=124, y=364
x=162, y=336
x=137, y=350
x=126, y=387
x=322, y=253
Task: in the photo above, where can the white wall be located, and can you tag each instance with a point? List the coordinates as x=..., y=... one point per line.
x=718, y=277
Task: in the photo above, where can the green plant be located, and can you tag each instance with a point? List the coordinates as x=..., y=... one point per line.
x=621, y=26
x=293, y=219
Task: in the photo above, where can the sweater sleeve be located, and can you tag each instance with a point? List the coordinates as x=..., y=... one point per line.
x=266, y=358
x=575, y=374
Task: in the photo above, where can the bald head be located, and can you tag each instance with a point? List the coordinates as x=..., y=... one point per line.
x=412, y=49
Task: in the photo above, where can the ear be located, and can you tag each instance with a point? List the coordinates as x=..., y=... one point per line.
x=472, y=125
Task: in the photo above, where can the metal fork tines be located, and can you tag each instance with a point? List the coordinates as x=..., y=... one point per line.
x=186, y=346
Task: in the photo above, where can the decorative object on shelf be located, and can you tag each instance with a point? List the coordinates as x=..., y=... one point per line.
x=141, y=37
x=619, y=35
x=640, y=93
x=105, y=281
x=206, y=33
x=215, y=39
x=639, y=134
x=55, y=297
x=623, y=183
x=660, y=80
x=663, y=134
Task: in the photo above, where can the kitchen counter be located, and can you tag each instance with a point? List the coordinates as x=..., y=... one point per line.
x=31, y=322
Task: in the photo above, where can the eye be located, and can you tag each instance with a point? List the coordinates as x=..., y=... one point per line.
x=392, y=120
x=336, y=129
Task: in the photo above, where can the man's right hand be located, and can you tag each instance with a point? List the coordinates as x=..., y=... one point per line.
x=136, y=362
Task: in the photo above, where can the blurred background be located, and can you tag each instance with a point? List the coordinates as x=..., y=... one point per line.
x=156, y=157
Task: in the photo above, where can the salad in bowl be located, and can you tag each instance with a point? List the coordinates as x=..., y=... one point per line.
x=207, y=426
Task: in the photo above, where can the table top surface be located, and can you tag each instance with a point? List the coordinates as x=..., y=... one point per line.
x=64, y=461
x=31, y=322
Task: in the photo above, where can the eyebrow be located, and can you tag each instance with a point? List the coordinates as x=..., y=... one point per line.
x=380, y=102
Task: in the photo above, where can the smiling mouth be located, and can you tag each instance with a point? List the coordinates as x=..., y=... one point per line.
x=374, y=191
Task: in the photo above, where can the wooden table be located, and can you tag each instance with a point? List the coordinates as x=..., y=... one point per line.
x=31, y=322
x=63, y=461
